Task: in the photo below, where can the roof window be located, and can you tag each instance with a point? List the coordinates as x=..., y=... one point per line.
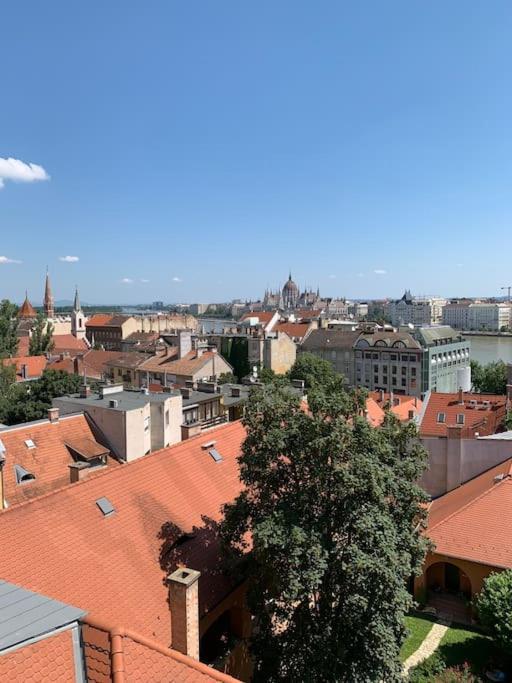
x=215, y=454
x=441, y=418
x=105, y=506
x=460, y=418
x=29, y=443
x=23, y=475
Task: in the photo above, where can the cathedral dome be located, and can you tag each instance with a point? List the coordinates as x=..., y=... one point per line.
x=290, y=288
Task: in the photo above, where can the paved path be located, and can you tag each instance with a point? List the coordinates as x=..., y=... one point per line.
x=427, y=647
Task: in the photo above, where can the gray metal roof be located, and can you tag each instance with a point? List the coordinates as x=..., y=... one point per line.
x=430, y=335
x=126, y=400
x=25, y=615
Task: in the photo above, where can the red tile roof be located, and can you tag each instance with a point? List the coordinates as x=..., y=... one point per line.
x=264, y=317
x=141, y=659
x=189, y=365
x=48, y=461
x=99, y=320
x=68, y=342
x=473, y=522
x=50, y=659
x=62, y=546
x=293, y=330
x=402, y=404
x=93, y=362
x=27, y=310
x=35, y=365
x=479, y=419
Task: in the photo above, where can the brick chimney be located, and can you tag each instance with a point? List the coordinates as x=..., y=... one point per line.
x=184, y=343
x=188, y=431
x=461, y=397
x=184, y=604
x=78, y=471
x=53, y=415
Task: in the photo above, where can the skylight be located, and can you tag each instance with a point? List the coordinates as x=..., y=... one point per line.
x=105, y=506
x=22, y=475
x=29, y=443
x=215, y=454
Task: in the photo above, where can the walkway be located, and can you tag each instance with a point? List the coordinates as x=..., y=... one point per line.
x=427, y=647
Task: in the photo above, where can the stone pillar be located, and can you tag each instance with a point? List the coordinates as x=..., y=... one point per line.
x=184, y=603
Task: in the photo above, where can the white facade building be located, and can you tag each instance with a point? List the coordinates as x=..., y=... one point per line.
x=416, y=311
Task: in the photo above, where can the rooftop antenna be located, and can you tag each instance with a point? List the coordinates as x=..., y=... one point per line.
x=508, y=288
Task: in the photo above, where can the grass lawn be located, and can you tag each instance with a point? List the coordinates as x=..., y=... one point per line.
x=461, y=644
x=417, y=628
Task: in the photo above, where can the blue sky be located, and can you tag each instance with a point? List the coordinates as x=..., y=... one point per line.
x=208, y=146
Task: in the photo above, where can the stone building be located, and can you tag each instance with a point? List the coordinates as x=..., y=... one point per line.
x=416, y=311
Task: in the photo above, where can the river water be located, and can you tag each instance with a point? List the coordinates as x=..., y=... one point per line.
x=488, y=349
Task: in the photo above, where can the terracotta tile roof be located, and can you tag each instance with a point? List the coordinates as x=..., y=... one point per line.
x=27, y=310
x=473, y=522
x=98, y=320
x=374, y=413
x=62, y=545
x=141, y=659
x=68, y=342
x=307, y=313
x=50, y=659
x=48, y=461
x=264, y=317
x=161, y=363
x=188, y=365
x=35, y=365
x=293, y=330
x=128, y=360
x=479, y=419
x=93, y=362
x=87, y=447
x=403, y=405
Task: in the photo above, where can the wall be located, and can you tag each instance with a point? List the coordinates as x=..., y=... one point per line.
x=475, y=572
x=163, y=435
x=138, y=438
x=455, y=461
x=279, y=354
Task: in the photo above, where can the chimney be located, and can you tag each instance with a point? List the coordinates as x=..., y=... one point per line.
x=185, y=392
x=235, y=392
x=188, y=431
x=184, y=604
x=53, y=415
x=78, y=471
x=85, y=391
x=2, y=463
x=76, y=366
x=461, y=397
x=381, y=396
x=184, y=343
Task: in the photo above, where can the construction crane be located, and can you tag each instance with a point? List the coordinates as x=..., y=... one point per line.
x=508, y=288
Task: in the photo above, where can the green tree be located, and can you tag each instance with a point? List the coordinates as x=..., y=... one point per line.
x=268, y=376
x=490, y=378
x=227, y=378
x=8, y=328
x=28, y=401
x=7, y=378
x=494, y=606
x=315, y=371
x=41, y=341
x=333, y=512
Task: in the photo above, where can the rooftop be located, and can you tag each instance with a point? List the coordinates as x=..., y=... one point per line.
x=475, y=414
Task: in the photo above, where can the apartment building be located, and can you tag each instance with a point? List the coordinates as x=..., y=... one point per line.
x=416, y=311
x=456, y=315
x=489, y=316
x=336, y=346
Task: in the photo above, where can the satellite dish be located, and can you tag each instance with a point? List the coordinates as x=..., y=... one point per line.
x=255, y=370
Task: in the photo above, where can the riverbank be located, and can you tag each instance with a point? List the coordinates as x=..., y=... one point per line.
x=485, y=333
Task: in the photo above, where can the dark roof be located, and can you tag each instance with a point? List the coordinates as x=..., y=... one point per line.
x=130, y=360
x=28, y=615
x=329, y=339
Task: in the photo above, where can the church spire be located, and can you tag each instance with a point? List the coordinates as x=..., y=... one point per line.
x=48, y=304
x=76, y=304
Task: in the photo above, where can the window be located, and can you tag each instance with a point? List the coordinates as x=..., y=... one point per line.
x=147, y=423
x=375, y=368
x=30, y=444
x=394, y=356
x=393, y=369
x=404, y=371
x=376, y=379
x=375, y=356
x=460, y=418
x=167, y=418
x=105, y=506
x=404, y=382
x=413, y=372
x=22, y=475
x=215, y=454
x=393, y=381
x=441, y=418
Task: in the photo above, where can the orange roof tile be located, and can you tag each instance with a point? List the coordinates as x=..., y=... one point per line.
x=50, y=659
x=114, y=567
x=188, y=365
x=473, y=522
x=140, y=658
x=99, y=320
x=93, y=362
x=478, y=420
x=374, y=413
x=68, y=342
x=403, y=404
x=264, y=317
x=34, y=366
x=48, y=461
x=27, y=310
x=293, y=330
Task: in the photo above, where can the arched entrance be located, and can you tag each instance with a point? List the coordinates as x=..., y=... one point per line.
x=449, y=591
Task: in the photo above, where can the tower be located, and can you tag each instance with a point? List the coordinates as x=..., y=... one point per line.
x=48, y=303
x=77, y=318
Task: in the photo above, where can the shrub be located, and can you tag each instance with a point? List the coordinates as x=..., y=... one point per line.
x=457, y=674
x=428, y=670
x=494, y=606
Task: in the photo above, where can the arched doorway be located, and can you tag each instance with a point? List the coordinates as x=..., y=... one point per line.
x=449, y=591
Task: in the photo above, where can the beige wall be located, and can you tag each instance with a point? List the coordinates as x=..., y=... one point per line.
x=165, y=323
x=162, y=433
x=279, y=354
x=451, y=462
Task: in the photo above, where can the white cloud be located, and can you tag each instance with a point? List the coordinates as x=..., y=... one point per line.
x=5, y=259
x=127, y=281
x=69, y=259
x=177, y=279
x=20, y=172
x=143, y=279
x=380, y=271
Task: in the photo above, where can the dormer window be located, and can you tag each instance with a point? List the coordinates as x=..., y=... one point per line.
x=22, y=475
x=460, y=418
x=441, y=418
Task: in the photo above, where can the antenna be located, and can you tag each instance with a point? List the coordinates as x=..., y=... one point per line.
x=508, y=288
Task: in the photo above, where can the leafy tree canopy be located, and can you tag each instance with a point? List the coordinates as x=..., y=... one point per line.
x=41, y=341
x=333, y=511
x=490, y=378
x=313, y=370
x=227, y=378
x=8, y=327
x=28, y=401
x=494, y=606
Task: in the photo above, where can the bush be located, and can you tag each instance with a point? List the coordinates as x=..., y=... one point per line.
x=494, y=606
x=428, y=670
x=457, y=674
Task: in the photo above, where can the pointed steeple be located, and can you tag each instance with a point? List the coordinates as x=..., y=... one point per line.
x=76, y=304
x=27, y=310
x=48, y=304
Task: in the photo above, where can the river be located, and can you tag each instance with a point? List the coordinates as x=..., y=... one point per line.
x=488, y=349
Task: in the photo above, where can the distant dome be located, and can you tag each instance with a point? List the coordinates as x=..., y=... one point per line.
x=27, y=310
x=290, y=287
